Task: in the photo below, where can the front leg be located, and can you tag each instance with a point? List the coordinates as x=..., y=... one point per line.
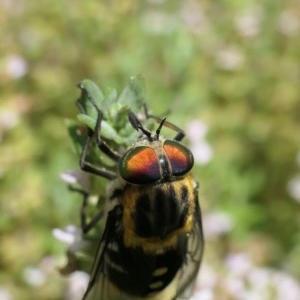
x=90, y=168
x=102, y=145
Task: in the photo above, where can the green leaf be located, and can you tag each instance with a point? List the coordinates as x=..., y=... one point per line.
x=111, y=95
x=107, y=131
x=75, y=133
x=87, y=120
x=90, y=92
x=133, y=96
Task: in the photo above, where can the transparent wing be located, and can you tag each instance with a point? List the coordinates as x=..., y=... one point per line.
x=190, y=269
x=99, y=287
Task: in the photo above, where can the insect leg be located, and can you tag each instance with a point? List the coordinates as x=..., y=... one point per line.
x=87, y=166
x=86, y=226
x=100, y=142
x=180, y=133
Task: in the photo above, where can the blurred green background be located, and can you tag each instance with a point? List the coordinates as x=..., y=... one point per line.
x=229, y=71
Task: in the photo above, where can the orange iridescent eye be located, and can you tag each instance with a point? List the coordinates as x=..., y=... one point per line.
x=139, y=165
x=180, y=157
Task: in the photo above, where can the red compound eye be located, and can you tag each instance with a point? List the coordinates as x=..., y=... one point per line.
x=180, y=157
x=139, y=165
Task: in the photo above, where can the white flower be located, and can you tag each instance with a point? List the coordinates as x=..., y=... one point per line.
x=193, y=17
x=77, y=284
x=229, y=58
x=293, y=188
x=259, y=278
x=69, y=235
x=234, y=285
x=288, y=23
x=248, y=23
x=16, y=66
x=8, y=119
x=201, y=149
x=196, y=130
x=76, y=177
x=207, y=277
x=216, y=224
x=157, y=22
x=239, y=264
x=4, y=294
x=203, y=294
x=286, y=285
x=34, y=276
x=202, y=152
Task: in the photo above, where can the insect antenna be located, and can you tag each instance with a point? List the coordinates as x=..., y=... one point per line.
x=135, y=122
x=157, y=132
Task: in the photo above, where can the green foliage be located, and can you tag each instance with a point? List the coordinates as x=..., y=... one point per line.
x=114, y=126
